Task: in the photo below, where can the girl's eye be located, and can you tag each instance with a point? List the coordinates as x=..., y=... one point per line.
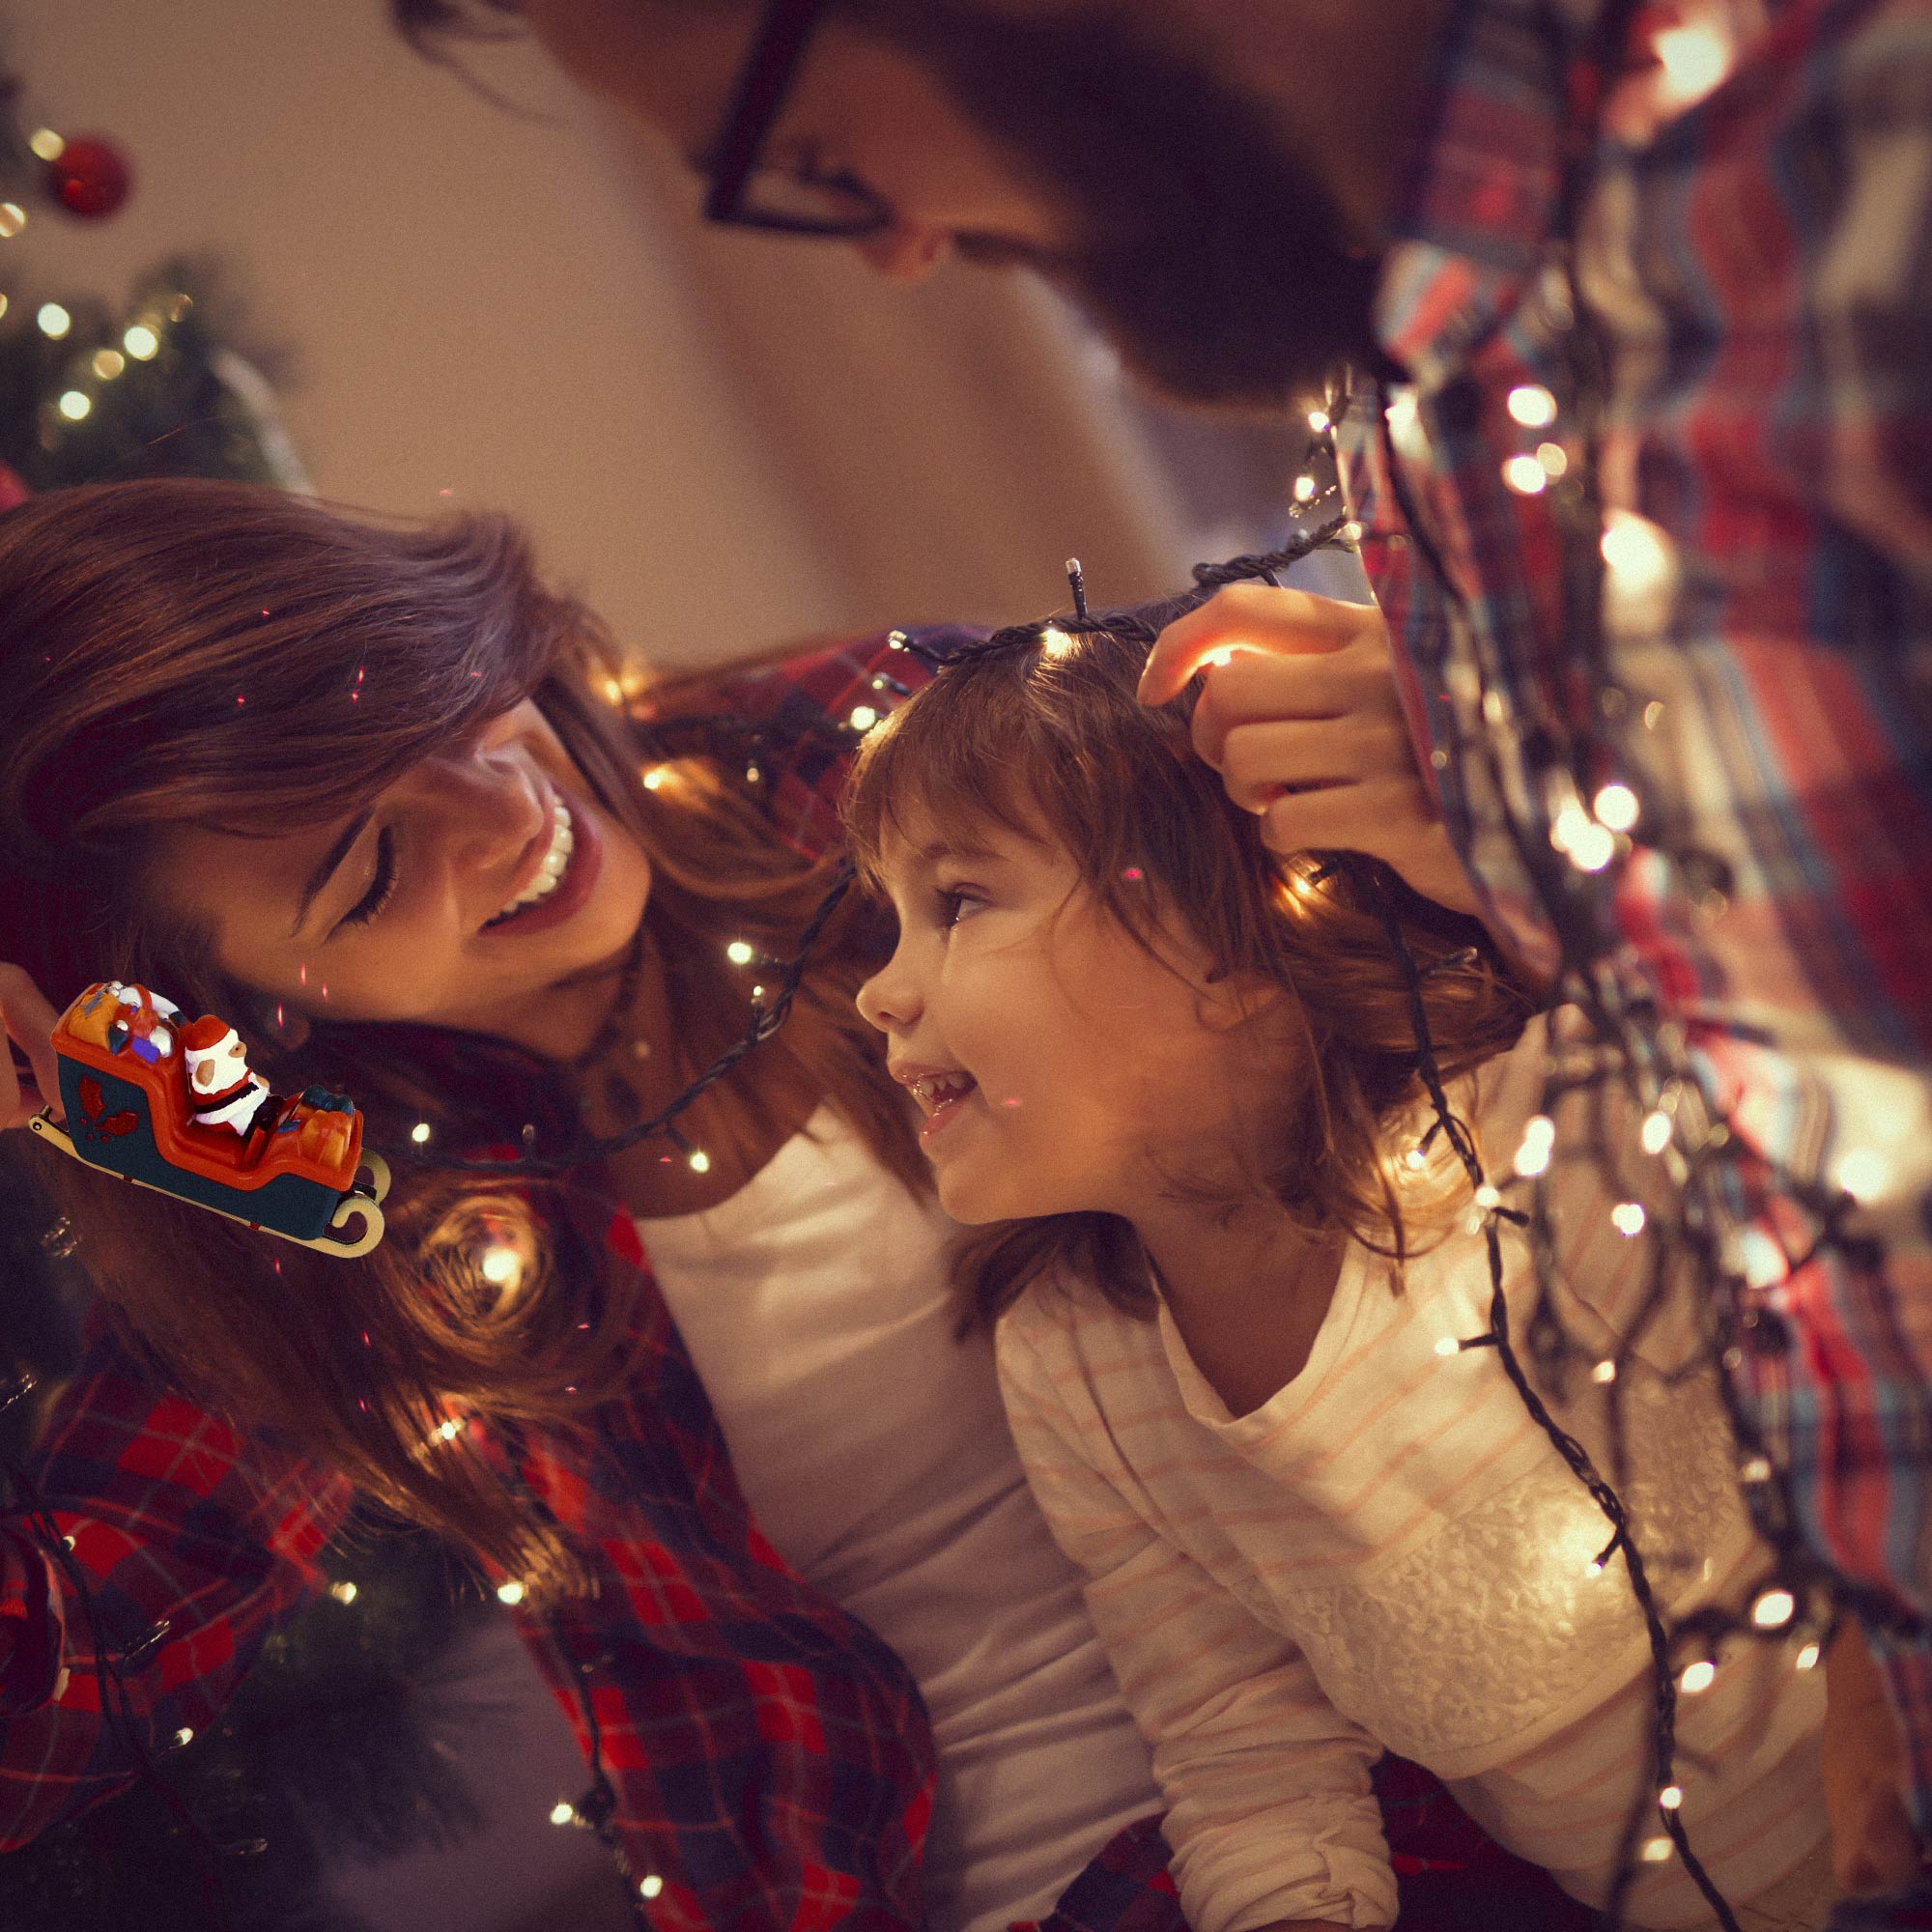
x=961, y=902
x=382, y=887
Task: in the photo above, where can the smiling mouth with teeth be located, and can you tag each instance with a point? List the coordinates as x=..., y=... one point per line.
x=556, y=863
x=932, y=1091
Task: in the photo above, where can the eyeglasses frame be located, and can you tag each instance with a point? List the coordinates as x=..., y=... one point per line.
x=757, y=96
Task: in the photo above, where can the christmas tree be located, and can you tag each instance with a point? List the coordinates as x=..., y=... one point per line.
x=154, y=386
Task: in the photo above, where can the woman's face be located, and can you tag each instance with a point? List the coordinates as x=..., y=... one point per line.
x=468, y=888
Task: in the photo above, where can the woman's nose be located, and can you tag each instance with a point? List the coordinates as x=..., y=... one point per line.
x=490, y=810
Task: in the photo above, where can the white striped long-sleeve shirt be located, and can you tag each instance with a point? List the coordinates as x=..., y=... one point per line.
x=1389, y=1554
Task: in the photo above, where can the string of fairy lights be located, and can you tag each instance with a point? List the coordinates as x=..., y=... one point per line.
x=1690, y=1156
x=1573, y=814
x=1775, y=1606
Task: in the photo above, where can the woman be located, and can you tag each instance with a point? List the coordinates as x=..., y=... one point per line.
x=366, y=794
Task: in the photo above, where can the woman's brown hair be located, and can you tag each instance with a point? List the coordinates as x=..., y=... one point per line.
x=180, y=652
x=1050, y=739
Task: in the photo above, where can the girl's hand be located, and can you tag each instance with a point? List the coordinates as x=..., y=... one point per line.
x=30, y=1024
x=1302, y=722
x=1873, y=1848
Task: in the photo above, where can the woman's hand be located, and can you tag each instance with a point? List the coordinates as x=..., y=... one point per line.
x=30, y=1024
x=1873, y=1848
x=1301, y=719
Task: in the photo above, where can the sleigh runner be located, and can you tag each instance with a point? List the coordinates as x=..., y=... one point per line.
x=294, y=1170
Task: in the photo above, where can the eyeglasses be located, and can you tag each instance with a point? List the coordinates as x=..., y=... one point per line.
x=796, y=200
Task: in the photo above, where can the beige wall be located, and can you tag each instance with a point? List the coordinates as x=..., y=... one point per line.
x=723, y=442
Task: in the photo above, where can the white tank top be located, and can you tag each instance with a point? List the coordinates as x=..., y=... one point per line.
x=873, y=1448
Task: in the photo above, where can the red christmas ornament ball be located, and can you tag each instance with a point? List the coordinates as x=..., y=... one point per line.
x=90, y=178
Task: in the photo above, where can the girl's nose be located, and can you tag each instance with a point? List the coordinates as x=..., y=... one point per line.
x=886, y=1000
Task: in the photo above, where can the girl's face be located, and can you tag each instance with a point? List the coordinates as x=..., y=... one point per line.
x=398, y=912
x=1059, y=1065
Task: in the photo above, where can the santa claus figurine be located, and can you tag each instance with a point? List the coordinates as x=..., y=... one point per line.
x=222, y=1089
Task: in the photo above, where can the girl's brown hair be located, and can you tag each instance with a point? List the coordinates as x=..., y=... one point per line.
x=180, y=652
x=1050, y=738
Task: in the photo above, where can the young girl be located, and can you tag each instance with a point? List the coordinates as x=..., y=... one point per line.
x=1173, y=1078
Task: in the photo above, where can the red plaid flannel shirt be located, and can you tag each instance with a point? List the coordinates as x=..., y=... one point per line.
x=1753, y=246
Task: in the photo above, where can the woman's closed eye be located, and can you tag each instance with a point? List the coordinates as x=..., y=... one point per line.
x=382, y=887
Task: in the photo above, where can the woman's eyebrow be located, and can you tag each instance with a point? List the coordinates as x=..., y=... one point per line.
x=330, y=860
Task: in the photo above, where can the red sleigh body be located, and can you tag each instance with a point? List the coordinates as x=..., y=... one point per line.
x=128, y=1113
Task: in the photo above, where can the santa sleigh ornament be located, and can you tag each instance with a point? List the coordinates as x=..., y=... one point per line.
x=174, y=1107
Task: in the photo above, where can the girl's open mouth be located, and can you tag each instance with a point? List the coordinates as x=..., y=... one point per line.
x=941, y=1097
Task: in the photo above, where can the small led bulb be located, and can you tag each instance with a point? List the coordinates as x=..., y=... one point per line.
x=1616, y=806
x=1526, y=476
x=1532, y=406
